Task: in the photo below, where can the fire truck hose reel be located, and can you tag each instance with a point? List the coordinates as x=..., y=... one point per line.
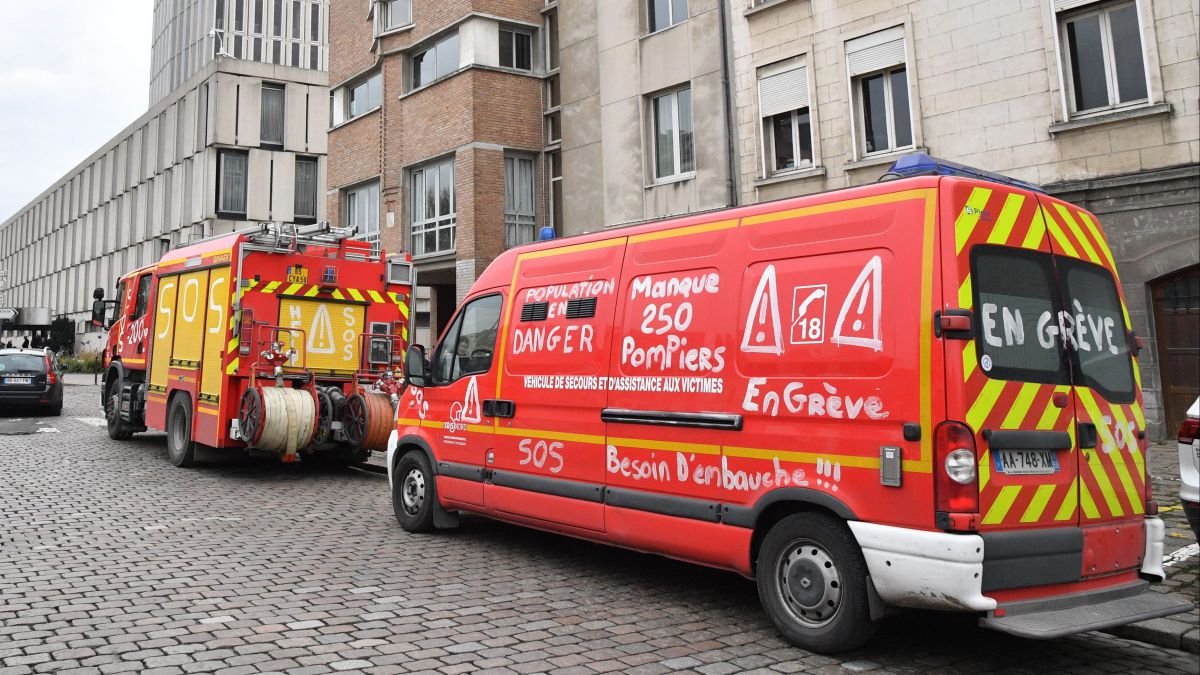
x=369, y=419
x=287, y=420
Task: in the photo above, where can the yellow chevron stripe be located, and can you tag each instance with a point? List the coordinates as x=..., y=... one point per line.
x=970, y=361
x=337, y=294
x=985, y=469
x=1007, y=219
x=965, y=224
x=231, y=345
x=404, y=333
x=1002, y=504
x=1106, y=438
x=1087, y=503
x=1070, y=504
x=1138, y=415
x=965, y=299
x=270, y=287
x=1074, y=227
x=355, y=294
x=403, y=309
x=232, y=367
x=1060, y=238
x=1024, y=401
x=1037, y=231
x=1101, y=242
x=251, y=283
x=312, y=291
x=984, y=404
x=293, y=289
x=1037, y=505
x=1096, y=467
x=375, y=296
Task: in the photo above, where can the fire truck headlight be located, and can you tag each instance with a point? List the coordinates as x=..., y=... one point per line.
x=960, y=466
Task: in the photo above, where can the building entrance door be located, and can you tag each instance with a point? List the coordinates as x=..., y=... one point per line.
x=1177, y=322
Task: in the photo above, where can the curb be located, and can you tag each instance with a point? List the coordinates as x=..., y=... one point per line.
x=1164, y=632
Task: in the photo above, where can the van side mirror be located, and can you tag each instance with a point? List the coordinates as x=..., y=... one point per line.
x=414, y=366
x=98, y=307
x=98, y=294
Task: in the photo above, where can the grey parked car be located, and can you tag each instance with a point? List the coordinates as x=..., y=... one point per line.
x=30, y=378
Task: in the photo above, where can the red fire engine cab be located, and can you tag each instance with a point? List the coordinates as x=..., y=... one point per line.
x=284, y=341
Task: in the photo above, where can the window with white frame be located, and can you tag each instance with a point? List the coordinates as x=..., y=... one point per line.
x=231, y=182
x=271, y=126
x=432, y=208
x=516, y=50
x=435, y=62
x=671, y=128
x=666, y=13
x=361, y=211
x=520, y=216
x=358, y=98
x=783, y=104
x=306, y=189
x=1102, y=54
x=554, y=161
x=879, y=80
x=395, y=14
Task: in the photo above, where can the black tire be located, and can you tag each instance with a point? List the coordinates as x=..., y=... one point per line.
x=812, y=582
x=118, y=429
x=181, y=449
x=56, y=409
x=414, y=492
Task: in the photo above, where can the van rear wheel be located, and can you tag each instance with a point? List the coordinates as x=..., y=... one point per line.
x=181, y=449
x=812, y=582
x=118, y=429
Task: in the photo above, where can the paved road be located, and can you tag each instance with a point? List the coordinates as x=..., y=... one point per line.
x=112, y=560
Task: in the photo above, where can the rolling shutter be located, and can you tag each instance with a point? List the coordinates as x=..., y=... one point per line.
x=782, y=92
x=1065, y=5
x=875, y=51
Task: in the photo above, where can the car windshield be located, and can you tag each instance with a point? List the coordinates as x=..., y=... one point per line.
x=22, y=363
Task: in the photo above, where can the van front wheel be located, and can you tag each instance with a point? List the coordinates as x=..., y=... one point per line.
x=414, y=493
x=812, y=582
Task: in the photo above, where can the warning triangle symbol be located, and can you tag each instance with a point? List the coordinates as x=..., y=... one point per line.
x=471, y=412
x=858, y=321
x=764, y=332
x=320, y=333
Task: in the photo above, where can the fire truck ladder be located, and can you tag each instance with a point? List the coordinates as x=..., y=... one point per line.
x=279, y=237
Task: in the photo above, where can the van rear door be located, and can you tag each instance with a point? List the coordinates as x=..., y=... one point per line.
x=1005, y=379
x=1107, y=398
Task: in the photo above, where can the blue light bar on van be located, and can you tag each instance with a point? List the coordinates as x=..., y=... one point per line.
x=921, y=164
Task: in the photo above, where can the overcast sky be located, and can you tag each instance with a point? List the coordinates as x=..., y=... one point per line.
x=73, y=73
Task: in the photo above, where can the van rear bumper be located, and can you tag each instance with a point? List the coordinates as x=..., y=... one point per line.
x=958, y=572
x=1080, y=612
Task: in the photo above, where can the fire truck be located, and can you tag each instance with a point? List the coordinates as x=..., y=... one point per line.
x=281, y=340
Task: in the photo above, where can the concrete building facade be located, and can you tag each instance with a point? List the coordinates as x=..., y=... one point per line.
x=627, y=110
x=189, y=34
x=238, y=143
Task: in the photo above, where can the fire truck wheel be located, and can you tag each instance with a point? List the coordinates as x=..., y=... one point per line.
x=812, y=582
x=118, y=429
x=414, y=492
x=181, y=449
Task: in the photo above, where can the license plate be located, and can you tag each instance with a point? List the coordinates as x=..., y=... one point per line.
x=18, y=380
x=1026, y=462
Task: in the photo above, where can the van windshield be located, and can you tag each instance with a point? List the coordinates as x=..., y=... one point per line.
x=1041, y=318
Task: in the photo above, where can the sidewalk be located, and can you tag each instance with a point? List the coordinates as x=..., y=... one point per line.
x=81, y=379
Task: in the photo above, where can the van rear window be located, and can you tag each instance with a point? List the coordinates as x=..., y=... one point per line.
x=1041, y=317
x=1015, y=290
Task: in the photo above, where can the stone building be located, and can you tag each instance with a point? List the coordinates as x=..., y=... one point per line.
x=238, y=143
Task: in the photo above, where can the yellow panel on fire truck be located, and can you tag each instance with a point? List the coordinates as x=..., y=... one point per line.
x=164, y=328
x=331, y=332
x=189, y=319
x=217, y=321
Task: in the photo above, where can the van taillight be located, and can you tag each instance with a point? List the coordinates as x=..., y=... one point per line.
x=1189, y=430
x=956, y=478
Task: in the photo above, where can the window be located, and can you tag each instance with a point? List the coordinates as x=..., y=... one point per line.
x=787, y=129
x=520, y=219
x=469, y=343
x=554, y=159
x=880, y=84
x=362, y=211
x=395, y=13
x=666, y=13
x=672, y=129
x=231, y=168
x=362, y=97
x=516, y=50
x=436, y=62
x=433, y=208
x=1103, y=53
x=272, y=115
x=306, y=189
x=552, y=39
x=142, y=300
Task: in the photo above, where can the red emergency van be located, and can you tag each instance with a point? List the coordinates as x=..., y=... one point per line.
x=920, y=393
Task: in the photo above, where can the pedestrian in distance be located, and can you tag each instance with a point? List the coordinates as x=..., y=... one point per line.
x=25, y=343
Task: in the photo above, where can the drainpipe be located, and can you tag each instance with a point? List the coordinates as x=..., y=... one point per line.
x=727, y=103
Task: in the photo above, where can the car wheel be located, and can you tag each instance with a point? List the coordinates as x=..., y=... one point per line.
x=118, y=429
x=812, y=582
x=181, y=449
x=414, y=493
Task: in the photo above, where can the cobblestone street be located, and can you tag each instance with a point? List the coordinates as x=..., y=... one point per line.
x=112, y=560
